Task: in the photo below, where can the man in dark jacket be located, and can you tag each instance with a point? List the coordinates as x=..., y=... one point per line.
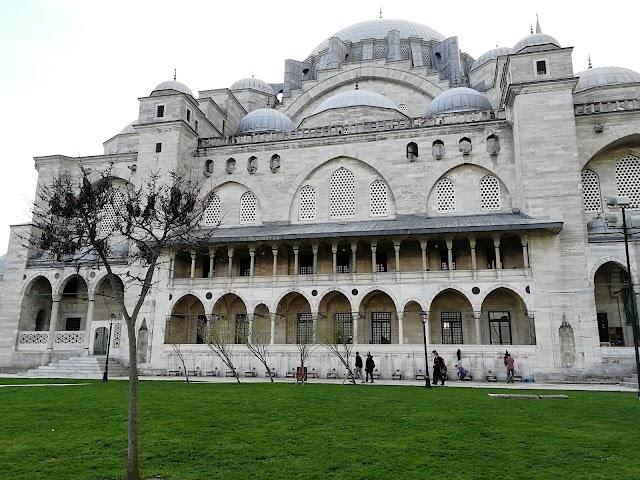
x=359, y=366
x=368, y=367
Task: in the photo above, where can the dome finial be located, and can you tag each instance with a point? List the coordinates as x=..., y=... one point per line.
x=380, y=13
x=538, y=29
x=174, y=74
x=252, y=74
x=589, y=61
x=531, y=28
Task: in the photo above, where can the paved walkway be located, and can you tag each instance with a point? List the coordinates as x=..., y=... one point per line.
x=522, y=386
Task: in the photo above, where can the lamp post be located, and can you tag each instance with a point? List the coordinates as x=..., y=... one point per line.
x=105, y=377
x=425, y=317
x=632, y=311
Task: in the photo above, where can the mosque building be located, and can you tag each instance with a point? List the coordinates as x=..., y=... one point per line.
x=390, y=183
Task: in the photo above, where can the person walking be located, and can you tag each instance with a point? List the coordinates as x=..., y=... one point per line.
x=439, y=369
x=368, y=367
x=509, y=363
x=359, y=367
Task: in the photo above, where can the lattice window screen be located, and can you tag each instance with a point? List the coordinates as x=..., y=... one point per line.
x=489, y=193
x=342, y=194
x=380, y=51
x=356, y=54
x=591, y=191
x=446, y=192
x=426, y=58
x=404, y=52
x=117, y=335
x=248, y=208
x=212, y=212
x=111, y=212
x=628, y=179
x=403, y=107
x=378, y=198
x=307, y=203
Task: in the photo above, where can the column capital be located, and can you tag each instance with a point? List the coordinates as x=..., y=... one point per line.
x=230, y=251
x=477, y=314
x=334, y=247
x=496, y=240
x=400, y=314
x=354, y=247
x=252, y=251
x=472, y=241
x=56, y=297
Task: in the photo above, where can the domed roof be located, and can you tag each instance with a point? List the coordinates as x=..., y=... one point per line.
x=265, y=120
x=604, y=77
x=129, y=128
x=459, y=99
x=379, y=29
x=254, y=84
x=490, y=55
x=534, y=40
x=356, y=98
x=173, y=85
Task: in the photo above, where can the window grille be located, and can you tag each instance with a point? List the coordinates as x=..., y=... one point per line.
x=242, y=328
x=489, y=193
x=381, y=262
x=446, y=192
x=356, y=54
x=160, y=111
x=212, y=212
x=426, y=58
x=628, y=179
x=403, y=107
x=378, y=198
x=342, y=194
x=381, y=327
x=500, y=328
x=344, y=327
x=404, y=52
x=201, y=322
x=380, y=51
x=307, y=203
x=306, y=264
x=451, y=327
x=248, y=208
x=111, y=213
x=305, y=328
x=591, y=191
x=342, y=263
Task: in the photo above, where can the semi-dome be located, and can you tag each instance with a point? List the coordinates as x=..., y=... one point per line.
x=356, y=98
x=129, y=128
x=173, y=85
x=379, y=30
x=490, y=55
x=535, y=40
x=265, y=120
x=254, y=84
x=459, y=99
x=605, y=77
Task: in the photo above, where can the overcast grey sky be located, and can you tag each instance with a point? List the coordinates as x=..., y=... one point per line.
x=72, y=70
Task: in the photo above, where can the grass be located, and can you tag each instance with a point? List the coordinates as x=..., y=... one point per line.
x=281, y=431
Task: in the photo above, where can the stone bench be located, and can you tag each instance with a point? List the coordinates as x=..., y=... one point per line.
x=491, y=378
x=229, y=373
x=332, y=375
x=396, y=376
x=174, y=372
x=211, y=373
x=250, y=373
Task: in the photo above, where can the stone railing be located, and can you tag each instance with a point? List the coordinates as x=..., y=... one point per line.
x=33, y=338
x=67, y=338
x=357, y=128
x=604, y=107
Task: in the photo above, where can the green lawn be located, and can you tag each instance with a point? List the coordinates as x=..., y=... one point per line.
x=279, y=431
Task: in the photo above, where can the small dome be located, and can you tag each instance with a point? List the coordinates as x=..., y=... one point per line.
x=490, y=55
x=356, y=98
x=129, y=128
x=459, y=99
x=605, y=77
x=173, y=85
x=253, y=84
x=534, y=40
x=265, y=120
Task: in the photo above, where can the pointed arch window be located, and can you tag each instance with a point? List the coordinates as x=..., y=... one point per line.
x=591, y=191
x=446, y=193
x=489, y=193
x=212, y=212
x=378, y=199
x=248, y=206
x=307, y=203
x=111, y=213
x=342, y=194
x=628, y=179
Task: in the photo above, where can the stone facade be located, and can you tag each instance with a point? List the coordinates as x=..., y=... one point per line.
x=476, y=220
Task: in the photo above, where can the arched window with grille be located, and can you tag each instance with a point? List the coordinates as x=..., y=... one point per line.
x=211, y=215
x=591, y=191
x=446, y=192
x=628, y=179
x=111, y=213
x=307, y=203
x=489, y=193
x=378, y=199
x=248, y=204
x=342, y=194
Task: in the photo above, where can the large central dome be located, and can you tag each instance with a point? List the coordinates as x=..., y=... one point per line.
x=379, y=30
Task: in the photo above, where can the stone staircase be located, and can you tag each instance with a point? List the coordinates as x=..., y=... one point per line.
x=630, y=381
x=79, y=367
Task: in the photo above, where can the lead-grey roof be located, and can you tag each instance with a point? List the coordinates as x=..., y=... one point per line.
x=490, y=55
x=379, y=30
x=458, y=99
x=254, y=84
x=605, y=77
x=173, y=85
x=356, y=98
x=265, y=120
x=534, y=40
x=413, y=225
x=129, y=128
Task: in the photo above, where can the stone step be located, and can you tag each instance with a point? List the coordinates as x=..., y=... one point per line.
x=82, y=367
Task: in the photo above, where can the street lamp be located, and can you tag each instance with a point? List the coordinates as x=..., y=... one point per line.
x=424, y=316
x=105, y=377
x=632, y=312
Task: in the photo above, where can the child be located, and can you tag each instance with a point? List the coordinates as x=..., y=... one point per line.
x=461, y=372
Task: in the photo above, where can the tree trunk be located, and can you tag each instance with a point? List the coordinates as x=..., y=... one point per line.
x=133, y=471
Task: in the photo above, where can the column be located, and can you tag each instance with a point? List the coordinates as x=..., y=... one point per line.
x=274, y=251
x=55, y=307
x=496, y=245
x=450, y=256
x=425, y=261
x=273, y=328
x=172, y=265
x=354, y=249
x=87, y=327
x=314, y=317
x=400, y=328
x=212, y=262
x=193, y=264
x=334, y=251
x=296, y=269
x=250, y=320
x=356, y=337
x=252, y=261
x=525, y=251
x=396, y=247
x=474, y=263
x=476, y=317
x=314, y=249
x=532, y=327
x=230, y=268
x=425, y=325
x=374, y=247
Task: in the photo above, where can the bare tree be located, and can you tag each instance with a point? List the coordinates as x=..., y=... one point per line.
x=258, y=343
x=88, y=216
x=174, y=335
x=306, y=330
x=336, y=334
x=218, y=335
